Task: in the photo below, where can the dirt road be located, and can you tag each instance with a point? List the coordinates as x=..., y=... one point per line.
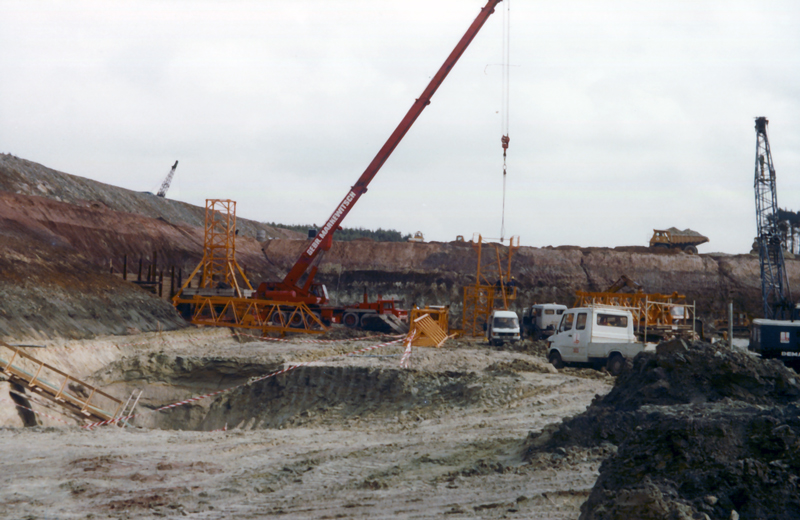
x=343, y=437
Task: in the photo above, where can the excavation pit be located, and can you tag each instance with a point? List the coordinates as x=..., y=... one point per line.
x=333, y=390
x=311, y=395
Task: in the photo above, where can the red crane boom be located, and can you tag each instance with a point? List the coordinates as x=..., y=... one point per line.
x=324, y=239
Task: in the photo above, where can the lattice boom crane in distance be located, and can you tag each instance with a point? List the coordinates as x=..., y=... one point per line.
x=774, y=281
x=162, y=191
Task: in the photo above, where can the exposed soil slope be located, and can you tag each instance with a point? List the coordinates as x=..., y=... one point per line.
x=29, y=178
x=98, y=225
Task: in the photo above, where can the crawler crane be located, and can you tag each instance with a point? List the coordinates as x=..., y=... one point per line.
x=778, y=335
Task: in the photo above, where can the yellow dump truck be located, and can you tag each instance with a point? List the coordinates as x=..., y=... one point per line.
x=686, y=240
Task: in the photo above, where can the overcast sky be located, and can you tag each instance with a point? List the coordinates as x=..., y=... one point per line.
x=624, y=115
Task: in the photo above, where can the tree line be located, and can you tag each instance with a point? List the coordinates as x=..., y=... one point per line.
x=347, y=234
x=789, y=229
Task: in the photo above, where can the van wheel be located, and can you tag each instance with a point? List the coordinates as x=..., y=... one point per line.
x=555, y=359
x=615, y=364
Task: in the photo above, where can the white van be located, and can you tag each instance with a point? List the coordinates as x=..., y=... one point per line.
x=541, y=320
x=597, y=335
x=502, y=326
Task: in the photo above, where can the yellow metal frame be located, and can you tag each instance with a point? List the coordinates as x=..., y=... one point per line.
x=249, y=313
x=56, y=388
x=483, y=297
x=643, y=314
x=219, y=265
x=427, y=333
x=422, y=330
x=219, y=250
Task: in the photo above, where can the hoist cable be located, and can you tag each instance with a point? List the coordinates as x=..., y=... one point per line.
x=504, y=104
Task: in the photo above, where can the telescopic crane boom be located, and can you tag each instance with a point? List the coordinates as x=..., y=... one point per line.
x=314, y=293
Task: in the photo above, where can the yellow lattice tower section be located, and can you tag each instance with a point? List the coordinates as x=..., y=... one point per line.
x=219, y=249
x=491, y=290
x=432, y=331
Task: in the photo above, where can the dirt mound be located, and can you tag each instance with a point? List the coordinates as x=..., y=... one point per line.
x=680, y=374
x=704, y=461
x=684, y=232
x=701, y=430
x=676, y=374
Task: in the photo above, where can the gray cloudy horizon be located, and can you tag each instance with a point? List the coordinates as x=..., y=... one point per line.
x=624, y=116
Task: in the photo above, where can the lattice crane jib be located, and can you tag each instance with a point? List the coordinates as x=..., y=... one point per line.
x=774, y=281
x=162, y=191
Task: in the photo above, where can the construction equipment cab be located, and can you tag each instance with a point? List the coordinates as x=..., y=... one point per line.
x=596, y=335
x=502, y=326
x=540, y=321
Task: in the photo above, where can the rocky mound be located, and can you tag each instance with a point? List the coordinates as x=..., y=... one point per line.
x=676, y=374
x=703, y=432
x=721, y=461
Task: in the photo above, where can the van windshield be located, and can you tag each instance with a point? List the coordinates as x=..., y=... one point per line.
x=566, y=322
x=506, y=323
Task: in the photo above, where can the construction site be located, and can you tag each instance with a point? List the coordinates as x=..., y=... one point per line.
x=159, y=358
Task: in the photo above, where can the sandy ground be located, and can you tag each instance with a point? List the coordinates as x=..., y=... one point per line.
x=394, y=457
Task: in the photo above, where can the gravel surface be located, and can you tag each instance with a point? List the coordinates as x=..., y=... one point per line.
x=345, y=437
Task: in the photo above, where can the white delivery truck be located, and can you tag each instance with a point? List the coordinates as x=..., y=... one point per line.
x=540, y=320
x=597, y=335
x=502, y=326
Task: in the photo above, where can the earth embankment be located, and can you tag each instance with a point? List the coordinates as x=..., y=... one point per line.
x=69, y=233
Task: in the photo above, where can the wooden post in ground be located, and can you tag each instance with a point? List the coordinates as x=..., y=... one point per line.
x=161, y=284
x=172, y=282
x=125, y=267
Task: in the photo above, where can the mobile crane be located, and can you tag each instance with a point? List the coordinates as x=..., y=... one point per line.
x=291, y=288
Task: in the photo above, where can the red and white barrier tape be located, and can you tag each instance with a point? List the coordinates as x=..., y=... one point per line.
x=223, y=429
x=261, y=338
x=407, y=351
x=37, y=413
x=321, y=341
x=249, y=382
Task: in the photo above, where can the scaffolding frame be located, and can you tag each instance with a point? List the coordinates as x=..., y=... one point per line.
x=484, y=297
x=652, y=313
x=214, y=305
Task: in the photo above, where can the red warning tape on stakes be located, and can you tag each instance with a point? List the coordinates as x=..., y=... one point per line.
x=249, y=382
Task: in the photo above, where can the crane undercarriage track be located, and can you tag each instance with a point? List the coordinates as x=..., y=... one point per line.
x=80, y=398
